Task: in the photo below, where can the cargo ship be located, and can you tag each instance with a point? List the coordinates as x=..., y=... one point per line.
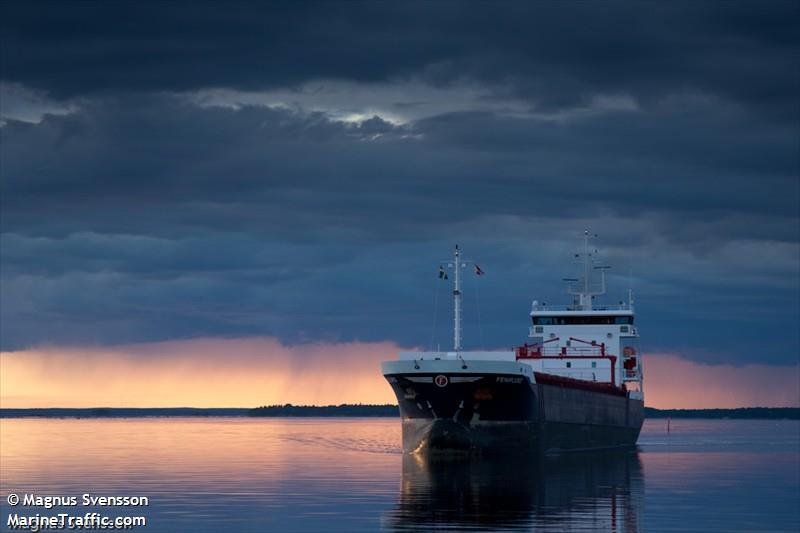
x=577, y=384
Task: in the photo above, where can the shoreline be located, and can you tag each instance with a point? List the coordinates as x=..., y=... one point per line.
x=354, y=411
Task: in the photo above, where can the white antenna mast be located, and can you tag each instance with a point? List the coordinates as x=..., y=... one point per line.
x=630, y=289
x=456, y=265
x=457, y=302
x=585, y=293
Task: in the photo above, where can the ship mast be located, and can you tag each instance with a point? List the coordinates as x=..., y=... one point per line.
x=457, y=301
x=457, y=264
x=585, y=293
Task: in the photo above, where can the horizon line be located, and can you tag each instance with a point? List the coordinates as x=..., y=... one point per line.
x=105, y=407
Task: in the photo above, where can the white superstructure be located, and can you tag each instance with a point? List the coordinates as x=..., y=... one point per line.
x=583, y=340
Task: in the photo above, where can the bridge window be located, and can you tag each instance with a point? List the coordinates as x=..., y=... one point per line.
x=580, y=320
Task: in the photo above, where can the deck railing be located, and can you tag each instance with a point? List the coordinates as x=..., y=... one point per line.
x=536, y=351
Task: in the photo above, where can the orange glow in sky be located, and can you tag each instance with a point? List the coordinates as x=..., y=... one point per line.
x=262, y=371
x=196, y=373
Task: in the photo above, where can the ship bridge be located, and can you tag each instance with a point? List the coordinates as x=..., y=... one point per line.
x=583, y=340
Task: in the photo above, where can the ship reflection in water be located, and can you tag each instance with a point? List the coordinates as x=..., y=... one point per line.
x=592, y=491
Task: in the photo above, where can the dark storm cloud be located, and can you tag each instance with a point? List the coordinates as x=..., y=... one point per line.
x=295, y=174
x=135, y=206
x=553, y=54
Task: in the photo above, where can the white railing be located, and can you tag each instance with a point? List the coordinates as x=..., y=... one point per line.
x=552, y=350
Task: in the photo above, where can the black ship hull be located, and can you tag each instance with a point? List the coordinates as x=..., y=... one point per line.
x=504, y=413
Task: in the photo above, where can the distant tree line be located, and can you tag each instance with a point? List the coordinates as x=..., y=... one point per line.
x=359, y=410
x=345, y=409
x=768, y=413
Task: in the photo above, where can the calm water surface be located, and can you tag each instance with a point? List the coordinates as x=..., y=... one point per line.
x=343, y=475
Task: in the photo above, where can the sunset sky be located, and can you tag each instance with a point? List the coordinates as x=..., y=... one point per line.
x=208, y=205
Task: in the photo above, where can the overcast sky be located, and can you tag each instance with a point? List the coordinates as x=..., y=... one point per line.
x=298, y=170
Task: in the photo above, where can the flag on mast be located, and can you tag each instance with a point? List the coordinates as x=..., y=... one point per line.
x=478, y=271
x=442, y=273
